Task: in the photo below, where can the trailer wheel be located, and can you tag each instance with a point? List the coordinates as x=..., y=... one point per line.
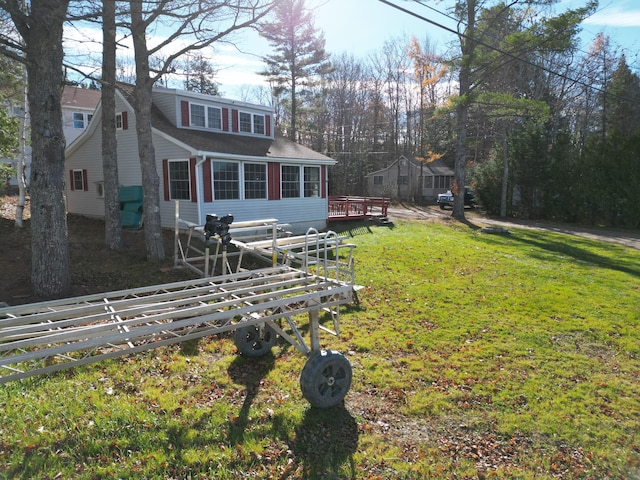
x=326, y=378
x=255, y=340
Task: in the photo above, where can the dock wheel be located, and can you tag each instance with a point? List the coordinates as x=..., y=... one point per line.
x=255, y=340
x=326, y=378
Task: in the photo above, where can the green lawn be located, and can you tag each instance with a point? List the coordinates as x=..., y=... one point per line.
x=474, y=356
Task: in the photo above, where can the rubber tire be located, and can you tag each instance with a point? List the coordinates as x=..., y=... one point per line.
x=326, y=378
x=253, y=341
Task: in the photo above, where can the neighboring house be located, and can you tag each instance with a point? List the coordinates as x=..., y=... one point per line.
x=410, y=179
x=213, y=155
x=78, y=105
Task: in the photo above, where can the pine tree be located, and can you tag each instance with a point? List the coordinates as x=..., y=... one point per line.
x=299, y=55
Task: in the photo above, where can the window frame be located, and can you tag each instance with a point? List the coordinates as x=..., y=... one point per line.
x=262, y=182
x=79, y=119
x=173, y=181
x=251, y=125
x=237, y=181
x=290, y=188
x=378, y=179
x=119, y=121
x=311, y=188
x=79, y=180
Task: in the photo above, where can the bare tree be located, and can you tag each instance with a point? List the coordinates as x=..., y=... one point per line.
x=40, y=27
x=202, y=23
x=114, y=238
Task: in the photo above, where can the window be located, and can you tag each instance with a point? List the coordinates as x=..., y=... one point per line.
x=378, y=179
x=255, y=180
x=118, y=121
x=403, y=180
x=179, y=185
x=197, y=115
x=226, y=181
x=245, y=122
x=258, y=124
x=290, y=181
x=214, y=118
x=428, y=182
x=78, y=121
x=250, y=123
x=79, y=180
x=441, y=181
x=312, y=182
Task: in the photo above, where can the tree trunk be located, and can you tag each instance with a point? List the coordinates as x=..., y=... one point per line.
x=113, y=236
x=505, y=177
x=21, y=170
x=150, y=180
x=467, y=48
x=50, y=265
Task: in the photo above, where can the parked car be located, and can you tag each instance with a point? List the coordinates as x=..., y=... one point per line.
x=446, y=199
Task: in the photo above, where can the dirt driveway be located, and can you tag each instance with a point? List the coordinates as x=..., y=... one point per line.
x=628, y=238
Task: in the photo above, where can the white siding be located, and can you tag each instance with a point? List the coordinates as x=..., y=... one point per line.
x=88, y=158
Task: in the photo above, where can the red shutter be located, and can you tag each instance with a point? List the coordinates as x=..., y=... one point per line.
x=273, y=173
x=165, y=178
x=85, y=183
x=184, y=110
x=125, y=123
x=192, y=176
x=225, y=119
x=71, y=178
x=206, y=179
x=234, y=120
x=323, y=179
x=267, y=123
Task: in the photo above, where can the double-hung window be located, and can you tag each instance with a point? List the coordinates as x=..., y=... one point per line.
x=197, y=115
x=226, y=181
x=214, y=118
x=290, y=181
x=311, y=182
x=251, y=123
x=79, y=180
x=78, y=121
x=255, y=181
x=179, y=183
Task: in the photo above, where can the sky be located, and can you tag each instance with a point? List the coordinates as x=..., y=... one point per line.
x=361, y=27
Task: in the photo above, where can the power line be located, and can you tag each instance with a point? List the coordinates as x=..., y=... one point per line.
x=501, y=51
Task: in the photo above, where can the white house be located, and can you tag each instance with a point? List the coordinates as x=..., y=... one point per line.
x=213, y=155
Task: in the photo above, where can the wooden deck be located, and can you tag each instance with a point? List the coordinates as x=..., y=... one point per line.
x=357, y=208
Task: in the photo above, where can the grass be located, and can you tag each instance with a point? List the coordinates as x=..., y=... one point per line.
x=474, y=356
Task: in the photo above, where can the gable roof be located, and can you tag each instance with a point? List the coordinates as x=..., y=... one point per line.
x=226, y=143
x=80, y=97
x=436, y=167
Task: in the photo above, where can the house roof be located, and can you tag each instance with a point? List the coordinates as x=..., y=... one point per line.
x=226, y=143
x=80, y=97
x=436, y=167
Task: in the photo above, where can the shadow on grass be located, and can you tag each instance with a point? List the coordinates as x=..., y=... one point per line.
x=356, y=227
x=325, y=441
x=575, y=248
x=250, y=373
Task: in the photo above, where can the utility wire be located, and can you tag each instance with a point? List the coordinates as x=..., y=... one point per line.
x=504, y=52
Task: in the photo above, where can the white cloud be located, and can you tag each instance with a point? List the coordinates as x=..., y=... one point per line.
x=615, y=18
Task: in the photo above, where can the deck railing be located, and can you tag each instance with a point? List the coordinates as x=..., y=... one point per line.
x=353, y=208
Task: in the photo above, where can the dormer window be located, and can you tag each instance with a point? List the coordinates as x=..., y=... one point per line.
x=251, y=123
x=205, y=117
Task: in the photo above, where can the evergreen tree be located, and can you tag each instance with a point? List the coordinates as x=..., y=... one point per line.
x=299, y=55
x=199, y=74
x=624, y=101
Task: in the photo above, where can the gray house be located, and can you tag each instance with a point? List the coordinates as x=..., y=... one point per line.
x=213, y=155
x=410, y=179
